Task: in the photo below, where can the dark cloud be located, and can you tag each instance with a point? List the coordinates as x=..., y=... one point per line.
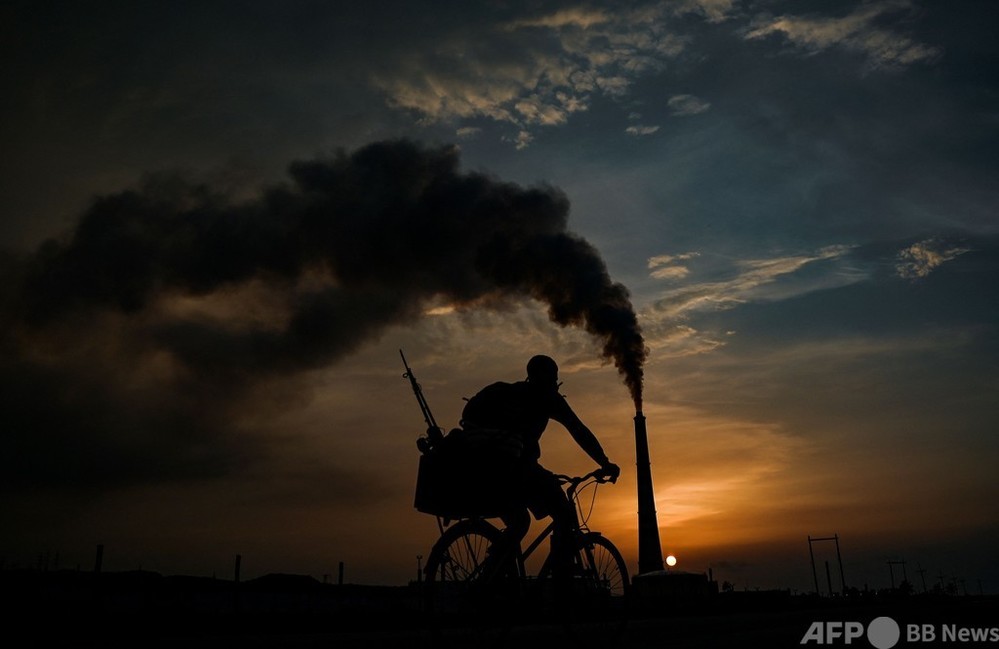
x=72, y=427
x=386, y=228
x=354, y=243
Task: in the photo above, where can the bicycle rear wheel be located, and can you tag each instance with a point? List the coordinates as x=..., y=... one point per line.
x=456, y=560
x=468, y=594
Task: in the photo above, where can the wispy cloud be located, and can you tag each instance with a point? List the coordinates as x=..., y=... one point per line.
x=714, y=10
x=660, y=260
x=573, y=17
x=673, y=338
x=862, y=31
x=681, y=105
x=751, y=275
x=920, y=259
x=665, y=321
x=641, y=130
x=670, y=272
x=665, y=266
x=521, y=140
x=538, y=71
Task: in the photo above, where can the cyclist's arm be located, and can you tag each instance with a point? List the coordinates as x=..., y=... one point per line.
x=563, y=414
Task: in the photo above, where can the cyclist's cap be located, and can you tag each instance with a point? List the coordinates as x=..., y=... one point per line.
x=542, y=369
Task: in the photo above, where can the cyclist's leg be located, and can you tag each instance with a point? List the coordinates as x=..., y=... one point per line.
x=517, y=522
x=548, y=499
x=562, y=536
x=516, y=518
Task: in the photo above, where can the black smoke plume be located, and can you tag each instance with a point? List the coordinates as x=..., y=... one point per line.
x=354, y=243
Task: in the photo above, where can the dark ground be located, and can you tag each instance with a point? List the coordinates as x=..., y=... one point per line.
x=144, y=609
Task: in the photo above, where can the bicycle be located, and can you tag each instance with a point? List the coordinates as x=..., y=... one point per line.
x=466, y=585
x=461, y=586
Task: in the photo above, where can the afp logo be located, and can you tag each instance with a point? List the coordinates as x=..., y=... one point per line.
x=882, y=633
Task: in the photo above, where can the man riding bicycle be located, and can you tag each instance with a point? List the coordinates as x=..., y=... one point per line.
x=515, y=415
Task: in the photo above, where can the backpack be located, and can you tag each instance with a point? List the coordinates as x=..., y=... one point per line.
x=494, y=407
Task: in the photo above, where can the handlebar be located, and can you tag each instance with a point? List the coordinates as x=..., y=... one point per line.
x=600, y=475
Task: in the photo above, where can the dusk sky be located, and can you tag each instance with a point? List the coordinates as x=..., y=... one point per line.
x=222, y=220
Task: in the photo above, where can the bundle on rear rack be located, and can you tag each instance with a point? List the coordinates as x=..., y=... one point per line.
x=462, y=477
x=468, y=472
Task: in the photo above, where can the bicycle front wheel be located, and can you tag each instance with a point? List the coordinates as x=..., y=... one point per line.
x=603, y=567
x=595, y=608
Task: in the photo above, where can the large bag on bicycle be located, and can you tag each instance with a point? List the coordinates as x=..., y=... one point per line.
x=470, y=473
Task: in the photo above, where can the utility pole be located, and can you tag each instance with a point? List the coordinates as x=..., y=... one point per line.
x=811, y=555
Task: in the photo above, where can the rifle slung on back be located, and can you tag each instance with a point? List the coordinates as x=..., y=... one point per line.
x=434, y=432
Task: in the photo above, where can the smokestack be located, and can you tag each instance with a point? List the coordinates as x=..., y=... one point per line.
x=650, y=555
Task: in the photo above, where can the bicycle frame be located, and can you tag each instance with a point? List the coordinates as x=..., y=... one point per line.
x=572, y=486
x=577, y=527
x=488, y=592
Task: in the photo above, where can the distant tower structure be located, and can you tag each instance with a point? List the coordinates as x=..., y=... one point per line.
x=99, y=561
x=891, y=572
x=839, y=559
x=922, y=576
x=650, y=553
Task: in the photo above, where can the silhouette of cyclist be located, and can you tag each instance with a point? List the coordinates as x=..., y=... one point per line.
x=517, y=414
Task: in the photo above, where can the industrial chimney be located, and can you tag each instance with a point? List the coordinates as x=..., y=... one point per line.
x=650, y=555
